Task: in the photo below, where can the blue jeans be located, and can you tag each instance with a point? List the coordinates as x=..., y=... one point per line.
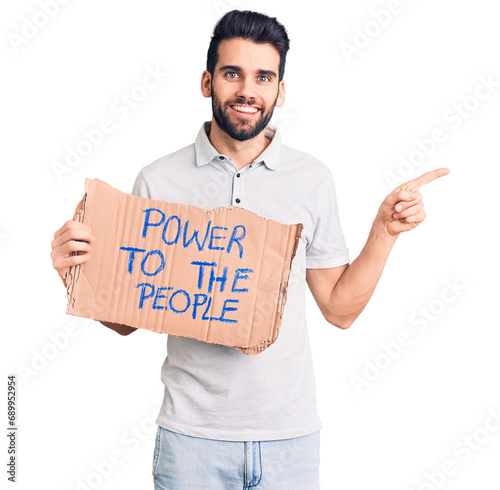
x=183, y=463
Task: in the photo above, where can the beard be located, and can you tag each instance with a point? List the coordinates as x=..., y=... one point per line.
x=244, y=129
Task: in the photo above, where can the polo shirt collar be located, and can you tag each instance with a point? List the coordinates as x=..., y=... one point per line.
x=205, y=152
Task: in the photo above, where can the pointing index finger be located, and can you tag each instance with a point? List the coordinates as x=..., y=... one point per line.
x=430, y=176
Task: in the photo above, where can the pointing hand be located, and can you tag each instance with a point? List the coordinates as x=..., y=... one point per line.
x=403, y=209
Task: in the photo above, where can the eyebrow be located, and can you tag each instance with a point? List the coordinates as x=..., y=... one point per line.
x=238, y=68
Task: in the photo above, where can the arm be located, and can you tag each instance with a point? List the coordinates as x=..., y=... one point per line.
x=74, y=236
x=343, y=292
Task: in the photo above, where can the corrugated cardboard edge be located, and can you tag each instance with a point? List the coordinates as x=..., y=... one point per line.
x=73, y=274
x=284, y=285
x=257, y=349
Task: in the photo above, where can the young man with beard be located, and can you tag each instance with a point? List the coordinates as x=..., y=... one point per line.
x=229, y=420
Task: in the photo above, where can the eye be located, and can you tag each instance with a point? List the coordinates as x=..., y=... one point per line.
x=231, y=74
x=264, y=78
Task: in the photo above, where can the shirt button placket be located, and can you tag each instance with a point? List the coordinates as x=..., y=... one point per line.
x=238, y=189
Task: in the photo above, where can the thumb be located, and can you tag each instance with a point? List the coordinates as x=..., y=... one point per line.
x=396, y=196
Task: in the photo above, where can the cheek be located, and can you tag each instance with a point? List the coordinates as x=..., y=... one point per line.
x=221, y=90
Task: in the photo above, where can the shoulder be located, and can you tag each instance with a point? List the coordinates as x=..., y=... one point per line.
x=170, y=162
x=312, y=168
x=157, y=178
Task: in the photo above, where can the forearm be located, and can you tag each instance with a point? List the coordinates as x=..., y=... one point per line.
x=358, y=282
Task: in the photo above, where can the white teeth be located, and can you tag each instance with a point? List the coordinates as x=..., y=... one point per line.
x=240, y=108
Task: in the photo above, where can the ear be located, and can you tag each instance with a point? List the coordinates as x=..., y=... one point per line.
x=281, y=94
x=206, y=81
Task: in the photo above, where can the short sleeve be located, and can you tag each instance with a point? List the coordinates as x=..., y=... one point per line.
x=140, y=187
x=327, y=248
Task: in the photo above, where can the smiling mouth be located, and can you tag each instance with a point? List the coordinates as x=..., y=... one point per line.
x=245, y=110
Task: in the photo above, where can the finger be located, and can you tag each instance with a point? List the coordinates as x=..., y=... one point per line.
x=396, y=197
x=71, y=224
x=415, y=219
x=409, y=211
x=67, y=248
x=64, y=263
x=402, y=205
x=70, y=234
x=428, y=177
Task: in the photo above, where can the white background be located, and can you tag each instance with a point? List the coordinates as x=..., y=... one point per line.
x=98, y=393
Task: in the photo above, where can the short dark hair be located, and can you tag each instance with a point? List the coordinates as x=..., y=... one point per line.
x=251, y=26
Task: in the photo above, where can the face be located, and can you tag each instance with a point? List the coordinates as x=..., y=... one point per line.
x=244, y=88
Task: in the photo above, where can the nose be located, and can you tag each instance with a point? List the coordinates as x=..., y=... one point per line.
x=246, y=90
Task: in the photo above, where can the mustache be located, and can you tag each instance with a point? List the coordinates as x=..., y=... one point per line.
x=250, y=102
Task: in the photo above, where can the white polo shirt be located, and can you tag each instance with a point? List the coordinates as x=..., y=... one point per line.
x=217, y=392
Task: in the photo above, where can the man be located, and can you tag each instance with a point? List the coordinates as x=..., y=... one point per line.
x=229, y=420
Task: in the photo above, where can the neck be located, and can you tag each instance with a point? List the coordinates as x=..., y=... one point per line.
x=241, y=153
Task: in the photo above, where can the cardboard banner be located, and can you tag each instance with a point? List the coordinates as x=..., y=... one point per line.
x=219, y=275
